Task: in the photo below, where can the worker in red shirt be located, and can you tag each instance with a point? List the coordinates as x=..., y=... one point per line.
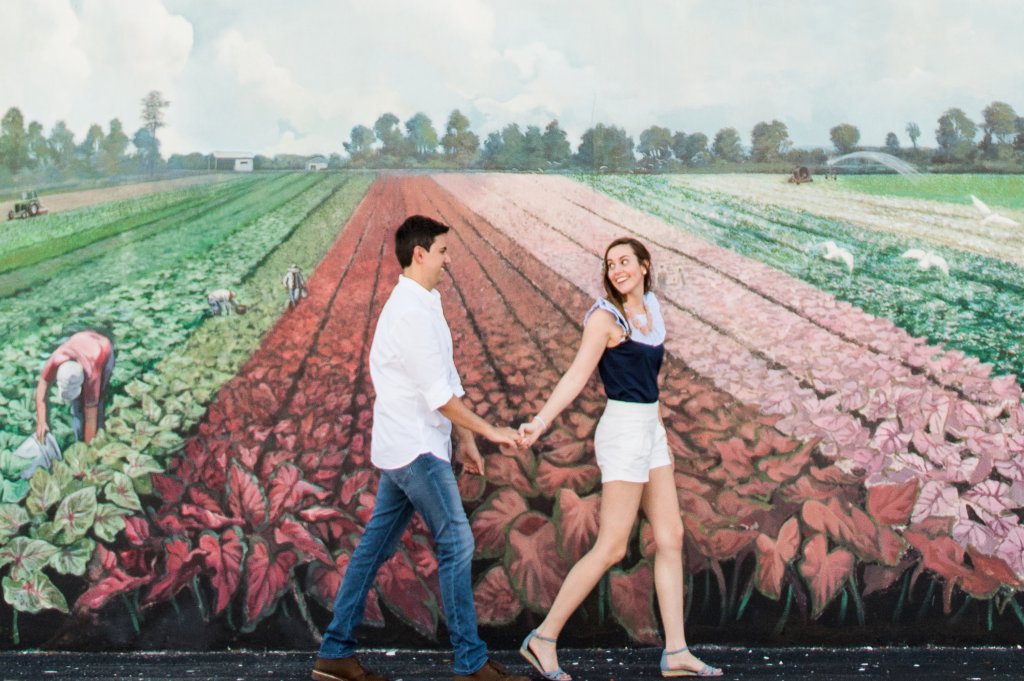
x=81, y=367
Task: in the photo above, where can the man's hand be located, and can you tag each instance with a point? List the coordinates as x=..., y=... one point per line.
x=469, y=456
x=41, y=430
x=502, y=436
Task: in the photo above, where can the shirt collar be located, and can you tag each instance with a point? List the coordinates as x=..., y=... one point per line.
x=429, y=298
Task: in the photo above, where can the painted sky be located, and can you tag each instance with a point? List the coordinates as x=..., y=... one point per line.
x=272, y=76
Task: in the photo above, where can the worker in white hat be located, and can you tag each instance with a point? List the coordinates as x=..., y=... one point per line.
x=81, y=367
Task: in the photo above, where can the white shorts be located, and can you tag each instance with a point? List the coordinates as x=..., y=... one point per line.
x=630, y=441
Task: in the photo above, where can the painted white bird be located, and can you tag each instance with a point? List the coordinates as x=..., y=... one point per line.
x=834, y=252
x=927, y=260
x=991, y=217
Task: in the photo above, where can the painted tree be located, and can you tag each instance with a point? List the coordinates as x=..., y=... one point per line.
x=153, y=105
x=913, y=132
x=13, y=142
x=38, y=147
x=655, y=144
x=557, y=149
x=955, y=135
x=390, y=135
x=62, y=145
x=533, y=148
x=422, y=135
x=769, y=141
x=892, y=143
x=113, y=147
x=998, y=127
x=89, y=149
x=844, y=137
x=459, y=142
x=360, y=144
x=727, y=145
x=606, y=147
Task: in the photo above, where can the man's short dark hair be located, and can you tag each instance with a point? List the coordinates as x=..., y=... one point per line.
x=418, y=230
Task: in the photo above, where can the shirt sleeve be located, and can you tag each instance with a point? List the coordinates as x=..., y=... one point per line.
x=428, y=367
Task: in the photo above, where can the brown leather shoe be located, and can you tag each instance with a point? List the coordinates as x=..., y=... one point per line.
x=343, y=669
x=492, y=671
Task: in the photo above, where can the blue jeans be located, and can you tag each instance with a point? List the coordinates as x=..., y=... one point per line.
x=426, y=485
x=78, y=412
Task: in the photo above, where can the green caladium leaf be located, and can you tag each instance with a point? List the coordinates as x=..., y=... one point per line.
x=115, y=453
x=34, y=594
x=99, y=475
x=47, y=531
x=151, y=409
x=121, y=491
x=74, y=558
x=171, y=421
x=76, y=513
x=44, y=492
x=117, y=427
x=166, y=440
x=26, y=556
x=12, y=517
x=13, y=491
x=108, y=522
x=79, y=459
x=139, y=440
x=138, y=465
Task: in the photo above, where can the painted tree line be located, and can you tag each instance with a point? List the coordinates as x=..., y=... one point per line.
x=416, y=143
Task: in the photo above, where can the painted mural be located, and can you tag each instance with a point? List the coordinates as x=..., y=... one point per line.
x=185, y=402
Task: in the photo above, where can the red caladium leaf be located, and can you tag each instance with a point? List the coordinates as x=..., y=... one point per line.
x=180, y=566
x=736, y=460
x=773, y=555
x=551, y=478
x=496, y=603
x=567, y=454
x=315, y=514
x=287, y=489
x=206, y=519
x=167, y=488
x=632, y=601
x=826, y=573
x=505, y=471
x=577, y=521
x=136, y=529
x=353, y=484
x=941, y=555
x=117, y=582
x=204, y=499
x=532, y=561
x=245, y=496
x=224, y=556
x=881, y=577
x=266, y=578
x=471, y=487
x=323, y=582
x=295, y=534
x=892, y=504
x=994, y=568
x=491, y=521
x=788, y=465
x=406, y=595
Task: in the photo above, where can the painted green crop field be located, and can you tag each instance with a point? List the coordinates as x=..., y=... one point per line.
x=995, y=190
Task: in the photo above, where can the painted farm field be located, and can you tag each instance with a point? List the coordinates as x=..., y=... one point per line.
x=842, y=478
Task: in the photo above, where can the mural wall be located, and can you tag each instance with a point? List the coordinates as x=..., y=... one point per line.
x=185, y=404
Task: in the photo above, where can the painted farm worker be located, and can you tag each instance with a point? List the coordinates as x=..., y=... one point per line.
x=623, y=338
x=417, y=404
x=295, y=285
x=221, y=302
x=81, y=367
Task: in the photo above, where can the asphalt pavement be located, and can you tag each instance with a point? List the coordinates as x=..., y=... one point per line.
x=585, y=664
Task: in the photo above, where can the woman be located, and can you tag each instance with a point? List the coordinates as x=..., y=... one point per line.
x=623, y=337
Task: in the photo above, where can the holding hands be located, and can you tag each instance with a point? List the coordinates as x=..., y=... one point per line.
x=530, y=432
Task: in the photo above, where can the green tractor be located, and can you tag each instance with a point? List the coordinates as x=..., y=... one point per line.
x=27, y=207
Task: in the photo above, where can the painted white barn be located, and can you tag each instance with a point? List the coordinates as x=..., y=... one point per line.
x=243, y=160
x=316, y=163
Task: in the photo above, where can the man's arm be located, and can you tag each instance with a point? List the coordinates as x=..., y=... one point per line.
x=467, y=451
x=91, y=422
x=461, y=416
x=41, y=425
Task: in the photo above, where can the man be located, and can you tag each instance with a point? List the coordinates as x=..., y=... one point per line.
x=221, y=301
x=295, y=285
x=81, y=367
x=418, y=401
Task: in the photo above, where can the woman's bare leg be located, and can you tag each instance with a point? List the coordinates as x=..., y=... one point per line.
x=660, y=503
x=620, y=502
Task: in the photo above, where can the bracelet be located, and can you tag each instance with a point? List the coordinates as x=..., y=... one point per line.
x=543, y=423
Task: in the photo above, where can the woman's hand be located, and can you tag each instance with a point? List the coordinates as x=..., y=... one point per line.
x=531, y=432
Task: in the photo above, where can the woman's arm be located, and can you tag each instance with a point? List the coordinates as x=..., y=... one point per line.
x=599, y=331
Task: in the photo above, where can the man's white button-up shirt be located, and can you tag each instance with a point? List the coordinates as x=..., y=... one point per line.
x=413, y=374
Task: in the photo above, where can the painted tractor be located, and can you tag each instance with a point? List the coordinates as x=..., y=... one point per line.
x=800, y=175
x=27, y=207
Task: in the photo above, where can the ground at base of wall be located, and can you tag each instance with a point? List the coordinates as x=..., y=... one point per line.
x=752, y=664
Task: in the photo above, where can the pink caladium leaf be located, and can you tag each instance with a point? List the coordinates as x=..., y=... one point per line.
x=826, y=573
x=936, y=499
x=890, y=438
